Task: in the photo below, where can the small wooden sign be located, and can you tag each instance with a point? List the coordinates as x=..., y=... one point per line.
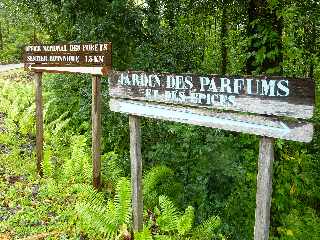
x=279, y=96
x=93, y=58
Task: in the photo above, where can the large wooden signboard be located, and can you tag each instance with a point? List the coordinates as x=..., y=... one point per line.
x=240, y=104
x=93, y=58
x=278, y=96
x=199, y=99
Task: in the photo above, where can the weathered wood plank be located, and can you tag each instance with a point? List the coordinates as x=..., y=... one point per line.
x=39, y=121
x=96, y=130
x=278, y=96
x=90, y=70
x=136, y=172
x=264, y=189
x=257, y=125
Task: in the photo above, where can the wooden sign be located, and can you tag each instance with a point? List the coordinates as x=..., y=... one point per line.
x=279, y=96
x=198, y=100
x=93, y=58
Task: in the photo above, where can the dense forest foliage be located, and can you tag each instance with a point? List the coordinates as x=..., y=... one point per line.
x=199, y=183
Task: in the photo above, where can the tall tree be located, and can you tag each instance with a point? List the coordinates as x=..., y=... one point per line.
x=311, y=10
x=223, y=36
x=153, y=19
x=264, y=31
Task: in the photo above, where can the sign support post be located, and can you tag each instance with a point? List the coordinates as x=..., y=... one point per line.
x=39, y=121
x=264, y=189
x=96, y=130
x=136, y=172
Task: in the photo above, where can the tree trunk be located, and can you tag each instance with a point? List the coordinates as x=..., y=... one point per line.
x=1, y=38
x=34, y=36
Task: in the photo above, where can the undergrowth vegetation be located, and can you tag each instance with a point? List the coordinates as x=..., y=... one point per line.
x=63, y=204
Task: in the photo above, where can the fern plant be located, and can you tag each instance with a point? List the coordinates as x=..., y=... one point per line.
x=208, y=230
x=56, y=132
x=144, y=235
x=77, y=168
x=169, y=223
x=111, y=171
x=105, y=219
x=160, y=180
x=47, y=165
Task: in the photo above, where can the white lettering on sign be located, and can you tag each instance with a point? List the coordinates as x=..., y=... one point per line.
x=202, y=90
x=69, y=47
x=98, y=59
x=283, y=88
x=90, y=47
x=66, y=58
x=37, y=58
x=94, y=59
x=62, y=48
x=75, y=48
x=33, y=48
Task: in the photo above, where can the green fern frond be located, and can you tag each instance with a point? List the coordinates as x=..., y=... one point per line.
x=47, y=165
x=207, y=230
x=95, y=212
x=156, y=174
x=111, y=208
x=185, y=222
x=88, y=193
x=155, y=183
x=97, y=219
x=123, y=201
x=111, y=171
x=77, y=168
x=164, y=237
x=27, y=120
x=52, y=124
x=144, y=235
x=167, y=221
x=110, y=218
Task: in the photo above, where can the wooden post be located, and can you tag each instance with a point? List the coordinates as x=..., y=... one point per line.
x=1, y=37
x=96, y=130
x=264, y=189
x=39, y=121
x=136, y=172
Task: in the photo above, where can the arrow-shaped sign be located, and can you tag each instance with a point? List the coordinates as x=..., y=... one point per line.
x=258, y=125
x=90, y=70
